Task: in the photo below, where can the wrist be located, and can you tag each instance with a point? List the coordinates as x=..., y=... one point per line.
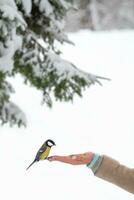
x=95, y=162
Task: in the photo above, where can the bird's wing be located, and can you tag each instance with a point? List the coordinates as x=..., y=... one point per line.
x=41, y=150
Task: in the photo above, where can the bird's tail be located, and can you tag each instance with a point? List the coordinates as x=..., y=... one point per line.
x=30, y=164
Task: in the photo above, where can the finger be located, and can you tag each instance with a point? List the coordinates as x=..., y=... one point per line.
x=57, y=158
x=65, y=159
x=52, y=158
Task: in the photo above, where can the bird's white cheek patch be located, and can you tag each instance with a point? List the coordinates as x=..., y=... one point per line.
x=49, y=143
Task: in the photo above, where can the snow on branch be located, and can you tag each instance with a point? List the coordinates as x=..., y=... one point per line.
x=65, y=78
x=10, y=42
x=23, y=24
x=12, y=114
x=67, y=70
x=9, y=112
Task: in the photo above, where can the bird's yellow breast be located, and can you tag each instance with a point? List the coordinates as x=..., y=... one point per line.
x=45, y=154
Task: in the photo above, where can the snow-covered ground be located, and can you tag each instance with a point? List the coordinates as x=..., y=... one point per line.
x=101, y=121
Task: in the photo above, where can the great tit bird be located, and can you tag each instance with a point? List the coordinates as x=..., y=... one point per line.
x=43, y=152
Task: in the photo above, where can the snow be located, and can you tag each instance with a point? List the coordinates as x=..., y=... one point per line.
x=46, y=7
x=27, y=4
x=7, y=88
x=13, y=41
x=13, y=110
x=65, y=4
x=8, y=2
x=66, y=70
x=10, y=11
x=9, y=111
x=102, y=121
x=6, y=59
x=15, y=19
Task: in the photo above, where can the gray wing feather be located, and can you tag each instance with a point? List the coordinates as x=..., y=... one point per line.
x=41, y=150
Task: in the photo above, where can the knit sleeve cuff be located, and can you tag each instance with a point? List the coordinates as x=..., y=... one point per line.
x=95, y=163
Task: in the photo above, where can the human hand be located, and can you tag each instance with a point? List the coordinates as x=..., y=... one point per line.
x=75, y=159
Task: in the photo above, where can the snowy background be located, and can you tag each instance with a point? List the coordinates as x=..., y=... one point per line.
x=101, y=121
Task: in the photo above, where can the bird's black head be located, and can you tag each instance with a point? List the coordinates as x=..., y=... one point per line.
x=50, y=143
